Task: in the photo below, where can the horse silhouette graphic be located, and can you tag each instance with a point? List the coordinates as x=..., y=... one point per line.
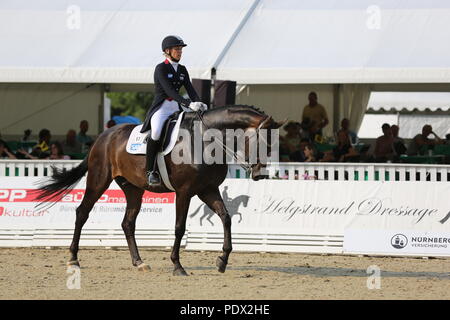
x=231, y=204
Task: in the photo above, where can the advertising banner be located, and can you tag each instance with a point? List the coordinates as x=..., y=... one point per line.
x=18, y=208
x=282, y=215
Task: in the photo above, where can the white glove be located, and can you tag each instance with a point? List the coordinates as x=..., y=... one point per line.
x=197, y=106
x=204, y=107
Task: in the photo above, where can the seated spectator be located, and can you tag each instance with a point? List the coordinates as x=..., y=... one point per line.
x=57, y=153
x=42, y=149
x=308, y=152
x=85, y=140
x=345, y=126
x=343, y=152
x=447, y=139
x=421, y=141
x=384, y=145
x=399, y=143
x=5, y=153
x=111, y=123
x=71, y=145
x=307, y=129
x=300, y=155
x=290, y=143
x=26, y=135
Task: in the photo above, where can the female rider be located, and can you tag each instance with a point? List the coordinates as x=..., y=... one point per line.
x=169, y=77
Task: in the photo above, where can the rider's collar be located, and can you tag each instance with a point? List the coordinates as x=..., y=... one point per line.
x=173, y=63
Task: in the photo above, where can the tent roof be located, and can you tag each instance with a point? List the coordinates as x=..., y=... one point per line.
x=118, y=41
x=332, y=41
x=409, y=101
x=250, y=41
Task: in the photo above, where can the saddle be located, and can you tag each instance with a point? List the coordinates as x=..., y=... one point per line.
x=137, y=143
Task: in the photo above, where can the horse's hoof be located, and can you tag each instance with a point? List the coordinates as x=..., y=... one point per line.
x=179, y=272
x=221, y=265
x=144, y=267
x=73, y=263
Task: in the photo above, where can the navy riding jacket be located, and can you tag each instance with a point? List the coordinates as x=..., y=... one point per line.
x=167, y=86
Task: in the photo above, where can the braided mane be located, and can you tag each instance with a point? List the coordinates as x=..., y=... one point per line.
x=241, y=107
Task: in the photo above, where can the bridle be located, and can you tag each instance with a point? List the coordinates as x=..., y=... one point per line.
x=244, y=164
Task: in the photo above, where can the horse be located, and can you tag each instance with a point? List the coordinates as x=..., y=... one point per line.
x=108, y=160
x=232, y=206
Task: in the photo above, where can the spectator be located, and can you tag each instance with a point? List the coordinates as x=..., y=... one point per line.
x=399, y=143
x=343, y=152
x=71, y=145
x=308, y=152
x=420, y=142
x=384, y=145
x=111, y=123
x=83, y=138
x=290, y=143
x=26, y=135
x=56, y=152
x=299, y=155
x=307, y=130
x=41, y=150
x=316, y=114
x=5, y=153
x=447, y=139
x=345, y=126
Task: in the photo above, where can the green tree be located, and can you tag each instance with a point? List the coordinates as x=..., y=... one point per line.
x=130, y=103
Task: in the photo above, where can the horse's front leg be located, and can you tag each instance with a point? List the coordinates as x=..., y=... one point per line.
x=214, y=200
x=182, y=207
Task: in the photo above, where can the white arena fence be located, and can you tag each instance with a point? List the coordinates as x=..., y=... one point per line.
x=282, y=170
x=361, y=208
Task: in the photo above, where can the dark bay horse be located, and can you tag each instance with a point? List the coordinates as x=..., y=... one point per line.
x=108, y=160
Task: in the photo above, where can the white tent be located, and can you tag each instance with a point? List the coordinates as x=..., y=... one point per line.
x=409, y=110
x=109, y=41
x=345, y=48
x=409, y=101
x=250, y=41
x=346, y=41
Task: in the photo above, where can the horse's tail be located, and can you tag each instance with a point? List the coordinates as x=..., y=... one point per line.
x=60, y=183
x=196, y=211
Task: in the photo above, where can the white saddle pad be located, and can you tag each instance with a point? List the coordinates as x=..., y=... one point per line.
x=136, y=142
x=137, y=145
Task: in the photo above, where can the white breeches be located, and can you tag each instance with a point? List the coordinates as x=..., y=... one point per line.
x=160, y=117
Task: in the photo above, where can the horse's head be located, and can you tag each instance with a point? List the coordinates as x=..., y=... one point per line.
x=249, y=132
x=265, y=136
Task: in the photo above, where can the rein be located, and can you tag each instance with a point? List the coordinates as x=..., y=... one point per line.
x=245, y=165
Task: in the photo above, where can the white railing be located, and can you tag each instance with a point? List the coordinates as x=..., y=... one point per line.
x=33, y=168
x=282, y=170
x=351, y=172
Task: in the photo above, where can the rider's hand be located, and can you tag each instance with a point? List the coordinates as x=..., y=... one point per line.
x=204, y=107
x=195, y=106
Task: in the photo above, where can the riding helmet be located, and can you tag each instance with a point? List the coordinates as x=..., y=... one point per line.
x=172, y=41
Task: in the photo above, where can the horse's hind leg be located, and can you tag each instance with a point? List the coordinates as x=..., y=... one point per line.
x=134, y=201
x=214, y=200
x=95, y=186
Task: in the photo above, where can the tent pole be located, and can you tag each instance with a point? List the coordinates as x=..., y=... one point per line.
x=336, y=107
x=228, y=45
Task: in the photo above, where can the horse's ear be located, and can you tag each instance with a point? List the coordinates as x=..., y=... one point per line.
x=265, y=122
x=281, y=123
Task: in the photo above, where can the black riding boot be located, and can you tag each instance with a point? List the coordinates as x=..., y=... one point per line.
x=152, y=150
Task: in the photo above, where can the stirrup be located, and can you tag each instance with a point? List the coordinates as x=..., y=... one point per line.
x=153, y=178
